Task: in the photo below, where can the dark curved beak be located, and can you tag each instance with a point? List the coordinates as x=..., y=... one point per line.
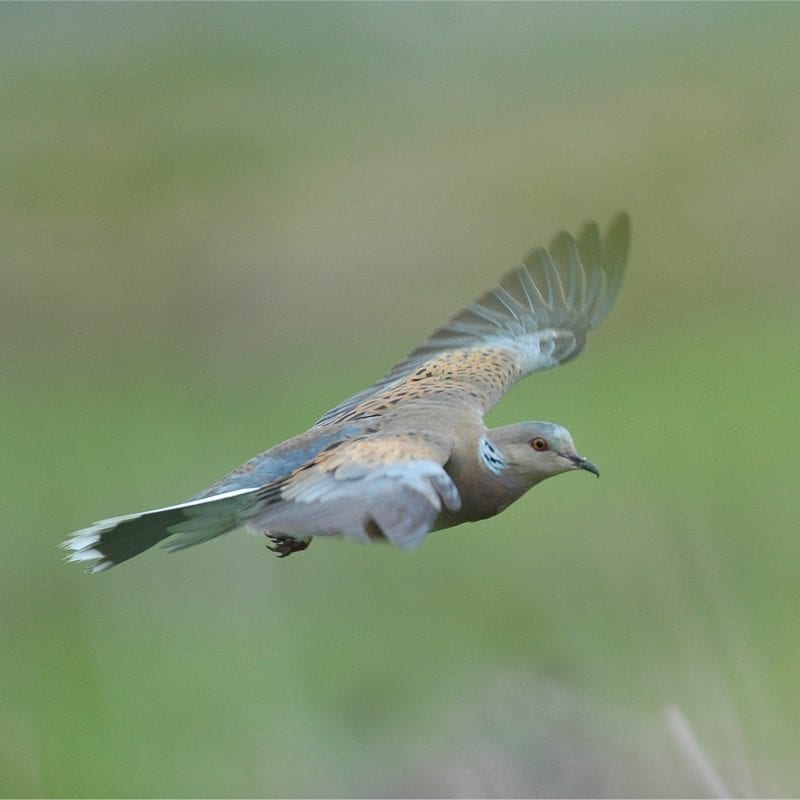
x=581, y=463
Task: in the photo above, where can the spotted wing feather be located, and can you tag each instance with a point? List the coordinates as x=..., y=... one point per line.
x=390, y=486
x=537, y=317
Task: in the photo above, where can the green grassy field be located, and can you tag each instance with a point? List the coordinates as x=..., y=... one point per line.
x=219, y=220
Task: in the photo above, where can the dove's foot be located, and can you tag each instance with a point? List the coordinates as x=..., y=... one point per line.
x=286, y=545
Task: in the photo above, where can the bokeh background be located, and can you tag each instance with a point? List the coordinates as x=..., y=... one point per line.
x=216, y=221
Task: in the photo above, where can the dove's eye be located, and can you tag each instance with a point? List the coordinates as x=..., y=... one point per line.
x=539, y=444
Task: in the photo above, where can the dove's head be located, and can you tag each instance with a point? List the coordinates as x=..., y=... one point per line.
x=533, y=451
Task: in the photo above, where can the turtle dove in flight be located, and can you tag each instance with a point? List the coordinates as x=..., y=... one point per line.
x=411, y=454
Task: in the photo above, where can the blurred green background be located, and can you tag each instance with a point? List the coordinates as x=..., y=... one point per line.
x=219, y=220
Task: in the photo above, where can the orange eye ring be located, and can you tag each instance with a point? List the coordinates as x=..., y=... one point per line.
x=539, y=444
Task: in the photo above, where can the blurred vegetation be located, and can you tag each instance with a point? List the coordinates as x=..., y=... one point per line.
x=219, y=220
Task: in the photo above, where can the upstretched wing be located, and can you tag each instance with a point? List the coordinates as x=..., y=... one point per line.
x=390, y=486
x=537, y=317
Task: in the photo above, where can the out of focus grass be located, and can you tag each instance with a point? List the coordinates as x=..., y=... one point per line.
x=217, y=221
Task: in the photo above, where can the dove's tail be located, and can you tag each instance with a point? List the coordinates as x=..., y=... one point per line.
x=111, y=541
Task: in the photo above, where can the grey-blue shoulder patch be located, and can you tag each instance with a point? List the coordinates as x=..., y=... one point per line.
x=283, y=459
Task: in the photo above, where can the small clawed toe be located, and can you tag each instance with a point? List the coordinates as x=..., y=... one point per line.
x=286, y=545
